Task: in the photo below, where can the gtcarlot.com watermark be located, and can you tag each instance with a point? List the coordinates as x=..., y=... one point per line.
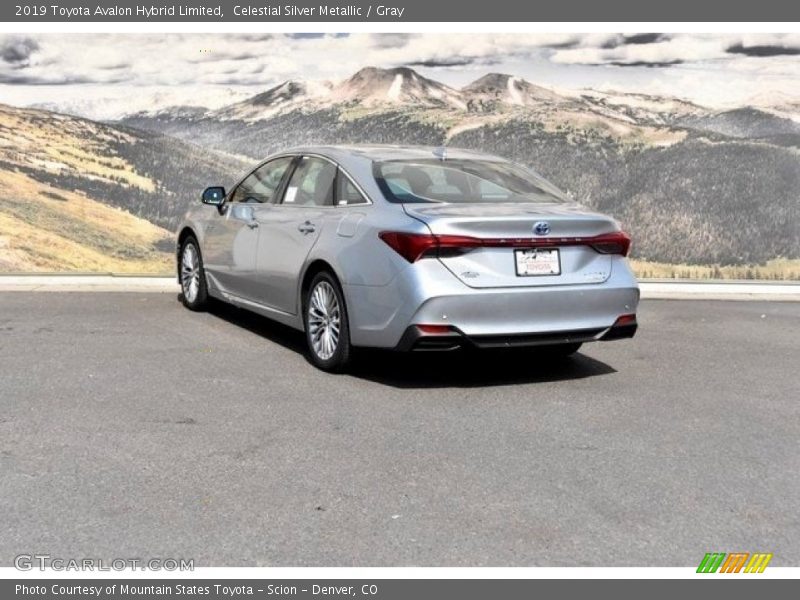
x=44, y=562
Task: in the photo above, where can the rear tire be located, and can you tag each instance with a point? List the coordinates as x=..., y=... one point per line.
x=194, y=288
x=326, y=324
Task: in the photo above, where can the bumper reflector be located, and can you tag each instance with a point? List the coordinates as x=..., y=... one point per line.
x=435, y=329
x=625, y=320
x=624, y=327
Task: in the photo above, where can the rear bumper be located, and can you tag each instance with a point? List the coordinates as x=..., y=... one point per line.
x=414, y=339
x=427, y=293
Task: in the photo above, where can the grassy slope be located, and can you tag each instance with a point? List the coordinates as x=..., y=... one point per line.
x=779, y=269
x=43, y=228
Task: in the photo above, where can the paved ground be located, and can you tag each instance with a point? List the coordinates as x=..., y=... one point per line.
x=130, y=427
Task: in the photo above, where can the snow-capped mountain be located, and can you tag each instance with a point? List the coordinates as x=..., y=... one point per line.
x=373, y=86
x=492, y=96
x=499, y=88
x=370, y=87
x=285, y=96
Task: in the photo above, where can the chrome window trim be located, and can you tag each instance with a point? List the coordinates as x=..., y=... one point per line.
x=341, y=169
x=229, y=195
x=294, y=155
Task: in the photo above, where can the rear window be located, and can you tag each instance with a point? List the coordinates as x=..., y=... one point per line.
x=462, y=181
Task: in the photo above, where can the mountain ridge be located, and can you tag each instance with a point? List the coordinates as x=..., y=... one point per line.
x=398, y=86
x=668, y=169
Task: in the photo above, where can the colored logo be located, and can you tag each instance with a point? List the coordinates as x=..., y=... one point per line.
x=734, y=562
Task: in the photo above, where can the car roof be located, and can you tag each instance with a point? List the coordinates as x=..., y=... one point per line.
x=373, y=153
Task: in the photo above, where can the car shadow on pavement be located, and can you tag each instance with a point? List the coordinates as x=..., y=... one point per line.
x=431, y=369
x=466, y=369
x=255, y=323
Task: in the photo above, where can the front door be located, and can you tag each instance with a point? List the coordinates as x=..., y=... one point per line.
x=231, y=240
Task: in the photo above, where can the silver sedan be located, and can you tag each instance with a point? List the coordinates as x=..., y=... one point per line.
x=410, y=249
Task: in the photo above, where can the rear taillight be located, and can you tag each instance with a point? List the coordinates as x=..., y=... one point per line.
x=413, y=246
x=618, y=242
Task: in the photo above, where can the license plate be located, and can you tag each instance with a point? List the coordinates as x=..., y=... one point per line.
x=538, y=262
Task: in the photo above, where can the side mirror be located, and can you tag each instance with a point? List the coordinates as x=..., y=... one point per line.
x=214, y=196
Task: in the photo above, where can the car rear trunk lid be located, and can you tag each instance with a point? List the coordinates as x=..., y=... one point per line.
x=515, y=251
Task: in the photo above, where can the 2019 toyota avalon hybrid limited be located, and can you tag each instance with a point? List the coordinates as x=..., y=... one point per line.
x=411, y=249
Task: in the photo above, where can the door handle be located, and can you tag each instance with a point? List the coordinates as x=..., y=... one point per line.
x=252, y=224
x=307, y=227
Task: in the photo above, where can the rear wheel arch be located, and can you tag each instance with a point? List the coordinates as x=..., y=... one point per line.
x=316, y=266
x=326, y=326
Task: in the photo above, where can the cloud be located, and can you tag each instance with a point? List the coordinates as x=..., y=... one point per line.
x=762, y=51
x=634, y=40
x=445, y=62
x=17, y=51
x=390, y=40
x=223, y=55
x=645, y=50
x=644, y=38
x=568, y=43
x=11, y=79
x=643, y=63
x=257, y=37
x=117, y=66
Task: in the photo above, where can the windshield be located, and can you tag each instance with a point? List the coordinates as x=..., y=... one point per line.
x=462, y=181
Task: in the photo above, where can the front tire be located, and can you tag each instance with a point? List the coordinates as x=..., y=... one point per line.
x=326, y=324
x=194, y=288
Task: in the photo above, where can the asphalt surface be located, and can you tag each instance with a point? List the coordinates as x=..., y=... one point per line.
x=131, y=427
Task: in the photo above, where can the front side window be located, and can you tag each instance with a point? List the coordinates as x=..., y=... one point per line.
x=311, y=183
x=462, y=181
x=260, y=186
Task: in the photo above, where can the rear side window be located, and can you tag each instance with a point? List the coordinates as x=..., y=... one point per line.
x=462, y=181
x=347, y=194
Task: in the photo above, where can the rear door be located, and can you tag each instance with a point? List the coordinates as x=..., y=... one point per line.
x=289, y=230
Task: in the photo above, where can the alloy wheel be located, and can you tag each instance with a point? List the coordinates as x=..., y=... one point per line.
x=190, y=273
x=324, y=320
